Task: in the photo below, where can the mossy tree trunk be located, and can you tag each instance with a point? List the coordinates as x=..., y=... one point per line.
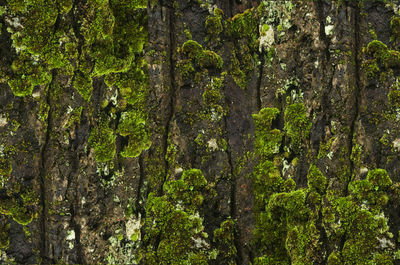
x=199, y=132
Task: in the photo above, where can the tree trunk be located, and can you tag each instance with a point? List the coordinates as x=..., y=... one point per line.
x=199, y=132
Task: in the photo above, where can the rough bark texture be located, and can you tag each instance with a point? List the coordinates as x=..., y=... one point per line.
x=199, y=132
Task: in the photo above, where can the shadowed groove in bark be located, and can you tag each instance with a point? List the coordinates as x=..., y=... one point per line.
x=43, y=172
x=259, y=81
x=72, y=180
x=355, y=53
x=142, y=176
x=326, y=65
x=357, y=66
x=233, y=196
x=172, y=87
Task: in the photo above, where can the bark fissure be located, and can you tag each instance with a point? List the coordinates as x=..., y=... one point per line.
x=357, y=82
x=259, y=81
x=233, y=195
x=171, y=89
x=75, y=203
x=142, y=176
x=43, y=173
x=357, y=92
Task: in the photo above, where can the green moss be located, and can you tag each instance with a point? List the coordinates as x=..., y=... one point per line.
x=316, y=180
x=334, y=259
x=173, y=220
x=244, y=26
x=18, y=212
x=210, y=59
x=211, y=96
x=5, y=167
x=4, y=240
x=134, y=126
x=325, y=148
x=75, y=117
x=26, y=74
x=395, y=26
x=268, y=141
x=83, y=83
x=214, y=25
x=192, y=49
x=267, y=180
x=102, y=139
x=297, y=125
x=394, y=98
x=200, y=57
x=224, y=237
x=238, y=75
x=384, y=57
x=379, y=178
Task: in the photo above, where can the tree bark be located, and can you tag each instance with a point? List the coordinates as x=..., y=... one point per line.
x=199, y=132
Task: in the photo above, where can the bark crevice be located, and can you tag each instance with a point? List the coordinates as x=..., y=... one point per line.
x=42, y=176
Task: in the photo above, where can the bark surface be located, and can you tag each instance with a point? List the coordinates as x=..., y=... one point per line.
x=199, y=132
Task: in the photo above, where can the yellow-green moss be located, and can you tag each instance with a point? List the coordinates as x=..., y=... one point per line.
x=102, y=139
x=134, y=126
x=395, y=26
x=214, y=25
x=83, y=83
x=394, y=98
x=297, y=125
x=316, y=180
x=201, y=57
x=267, y=140
x=13, y=208
x=4, y=240
x=224, y=237
x=173, y=220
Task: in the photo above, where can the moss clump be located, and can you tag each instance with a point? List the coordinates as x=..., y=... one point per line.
x=268, y=141
x=200, y=57
x=83, y=83
x=316, y=180
x=134, y=126
x=385, y=58
x=75, y=117
x=267, y=180
x=214, y=25
x=102, y=139
x=4, y=240
x=5, y=167
x=379, y=178
x=26, y=74
x=224, y=237
x=297, y=125
x=395, y=26
x=334, y=259
x=394, y=98
x=13, y=208
x=211, y=96
x=244, y=26
x=173, y=220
